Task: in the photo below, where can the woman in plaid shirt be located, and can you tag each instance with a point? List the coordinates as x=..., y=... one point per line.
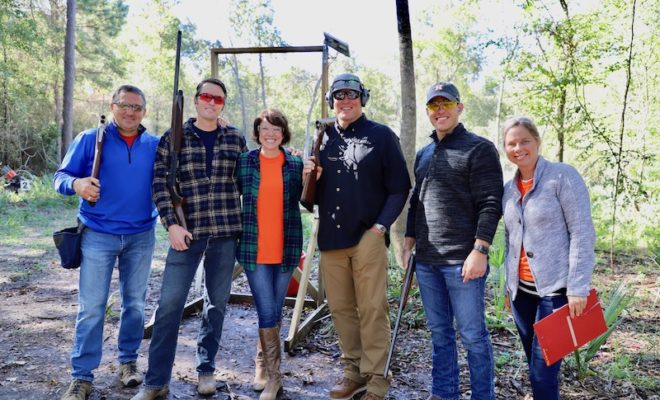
x=270, y=181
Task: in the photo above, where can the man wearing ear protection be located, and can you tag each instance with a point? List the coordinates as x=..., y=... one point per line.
x=363, y=187
x=453, y=215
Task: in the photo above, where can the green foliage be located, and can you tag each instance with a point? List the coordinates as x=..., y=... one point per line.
x=497, y=315
x=618, y=300
x=19, y=211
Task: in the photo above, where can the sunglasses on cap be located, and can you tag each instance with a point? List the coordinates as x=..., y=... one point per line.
x=208, y=97
x=346, y=94
x=436, y=105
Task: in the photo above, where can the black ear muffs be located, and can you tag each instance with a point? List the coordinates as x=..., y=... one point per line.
x=364, y=97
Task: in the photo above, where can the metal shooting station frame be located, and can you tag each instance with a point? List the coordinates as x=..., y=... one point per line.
x=297, y=330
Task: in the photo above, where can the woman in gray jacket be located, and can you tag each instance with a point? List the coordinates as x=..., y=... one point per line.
x=549, y=244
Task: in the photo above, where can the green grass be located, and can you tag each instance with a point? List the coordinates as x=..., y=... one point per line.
x=39, y=208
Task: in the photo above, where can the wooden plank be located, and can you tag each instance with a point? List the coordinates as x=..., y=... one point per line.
x=304, y=329
x=304, y=280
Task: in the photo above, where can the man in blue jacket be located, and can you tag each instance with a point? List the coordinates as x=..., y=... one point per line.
x=454, y=209
x=119, y=228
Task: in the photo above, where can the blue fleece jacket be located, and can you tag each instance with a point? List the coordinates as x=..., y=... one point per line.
x=125, y=205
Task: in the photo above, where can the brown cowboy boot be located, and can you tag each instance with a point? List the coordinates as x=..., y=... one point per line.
x=270, y=343
x=260, y=371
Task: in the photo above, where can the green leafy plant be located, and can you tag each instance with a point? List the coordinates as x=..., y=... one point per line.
x=619, y=299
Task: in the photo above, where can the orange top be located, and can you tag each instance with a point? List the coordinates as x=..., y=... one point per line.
x=270, y=211
x=524, y=272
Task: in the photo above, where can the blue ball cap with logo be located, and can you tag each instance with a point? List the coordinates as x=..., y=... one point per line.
x=443, y=89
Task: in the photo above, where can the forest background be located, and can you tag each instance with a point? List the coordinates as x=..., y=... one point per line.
x=586, y=72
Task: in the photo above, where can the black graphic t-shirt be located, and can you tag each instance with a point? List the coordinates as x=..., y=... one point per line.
x=362, y=165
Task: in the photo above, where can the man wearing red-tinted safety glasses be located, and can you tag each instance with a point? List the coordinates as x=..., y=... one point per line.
x=213, y=216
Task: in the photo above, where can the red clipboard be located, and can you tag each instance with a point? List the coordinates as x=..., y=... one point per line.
x=559, y=335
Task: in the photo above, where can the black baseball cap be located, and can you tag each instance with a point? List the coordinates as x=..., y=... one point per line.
x=443, y=89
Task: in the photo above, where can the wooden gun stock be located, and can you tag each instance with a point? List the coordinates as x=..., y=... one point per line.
x=98, y=151
x=405, y=290
x=308, y=196
x=176, y=140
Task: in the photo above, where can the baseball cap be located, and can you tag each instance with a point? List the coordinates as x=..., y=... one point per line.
x=346, y=81
x=443, y=89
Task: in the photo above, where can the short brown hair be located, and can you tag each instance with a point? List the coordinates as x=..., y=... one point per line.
x=214, y=81
x=523, y=121
x=276, y=118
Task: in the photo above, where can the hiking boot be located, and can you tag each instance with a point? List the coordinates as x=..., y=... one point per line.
x=151, y=394
x=345, y=389
x=78, y=390
x=372, y=396
x=129, y=374
x=206, y=385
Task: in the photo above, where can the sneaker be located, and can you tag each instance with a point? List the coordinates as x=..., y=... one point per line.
x=151, y=394
x=372, y=396
x=78, y=390
x=345, y=389
x=206, y=385
x=129, y=375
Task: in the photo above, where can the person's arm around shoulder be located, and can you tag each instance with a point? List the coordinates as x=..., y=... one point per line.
x=574, y=199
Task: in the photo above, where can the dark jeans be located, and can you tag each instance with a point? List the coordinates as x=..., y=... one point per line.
x=180, y=267
x=528, y=309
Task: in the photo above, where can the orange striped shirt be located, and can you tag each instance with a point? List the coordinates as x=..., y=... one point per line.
x=270, y=211
x=524, y=272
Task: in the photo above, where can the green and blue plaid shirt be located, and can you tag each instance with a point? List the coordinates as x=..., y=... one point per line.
x=248, y=182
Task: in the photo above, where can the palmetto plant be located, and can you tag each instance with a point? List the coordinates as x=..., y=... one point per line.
x=619, y=299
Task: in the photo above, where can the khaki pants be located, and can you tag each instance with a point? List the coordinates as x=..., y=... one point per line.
x=356, y=282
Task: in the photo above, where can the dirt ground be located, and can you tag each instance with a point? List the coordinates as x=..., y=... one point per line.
x=37, y=315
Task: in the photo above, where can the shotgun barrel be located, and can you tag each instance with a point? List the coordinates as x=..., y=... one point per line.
x=405, y=290
x=308, y=196
x=176, y=140
x=98, y=151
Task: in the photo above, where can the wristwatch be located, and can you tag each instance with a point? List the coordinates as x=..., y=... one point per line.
x=481, y=249
x=381, y=228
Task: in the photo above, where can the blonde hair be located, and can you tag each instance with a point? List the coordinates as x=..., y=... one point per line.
x=526, y=123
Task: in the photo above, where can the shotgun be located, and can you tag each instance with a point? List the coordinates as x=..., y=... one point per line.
x=405, y=290
x=98, y=151
x=308, y=196
x=176, y=139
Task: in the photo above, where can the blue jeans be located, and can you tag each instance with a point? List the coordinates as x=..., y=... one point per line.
x=100, y=252
x=180, y=266
x=528, y=309
x=445, y=297
x=268, y=285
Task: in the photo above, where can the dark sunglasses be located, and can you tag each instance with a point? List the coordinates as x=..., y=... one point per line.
x=347, y=94
x=208, y=97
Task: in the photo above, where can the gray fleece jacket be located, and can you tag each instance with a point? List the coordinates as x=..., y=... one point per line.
x=554, y=225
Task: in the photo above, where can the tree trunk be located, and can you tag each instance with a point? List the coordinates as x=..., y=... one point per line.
x=408, y=115
x=241, y=98
x=263, y=81
x=69, y=77
x=619, y=154
x=561, y=117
